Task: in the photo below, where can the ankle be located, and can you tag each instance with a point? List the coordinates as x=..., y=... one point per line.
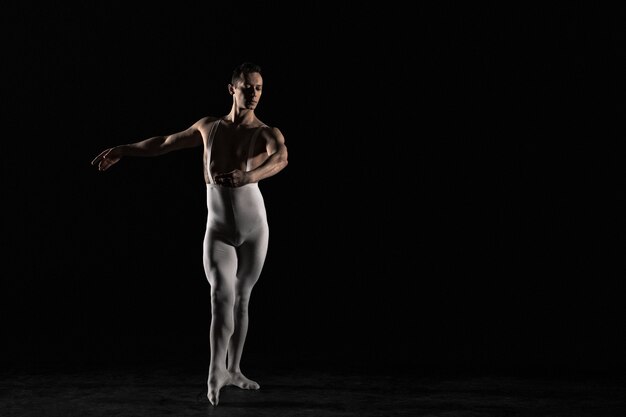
x=217, y=370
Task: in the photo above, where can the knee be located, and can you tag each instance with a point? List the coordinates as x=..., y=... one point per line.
x=241, y=302
x=222, y=298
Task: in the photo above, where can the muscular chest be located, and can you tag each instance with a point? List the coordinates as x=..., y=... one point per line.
x=231, y=148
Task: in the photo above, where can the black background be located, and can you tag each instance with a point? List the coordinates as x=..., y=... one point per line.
x=454, y=198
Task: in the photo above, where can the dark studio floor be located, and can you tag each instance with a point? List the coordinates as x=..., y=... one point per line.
x=176, y=391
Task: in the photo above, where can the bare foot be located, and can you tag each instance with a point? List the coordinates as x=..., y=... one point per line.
x=237, y=379
x=217, y=379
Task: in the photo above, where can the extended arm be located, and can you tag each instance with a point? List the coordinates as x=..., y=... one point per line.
x=154, y=146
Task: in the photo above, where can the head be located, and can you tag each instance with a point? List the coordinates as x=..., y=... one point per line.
x=246, y=85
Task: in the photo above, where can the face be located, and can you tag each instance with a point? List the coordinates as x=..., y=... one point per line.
x=247, y=92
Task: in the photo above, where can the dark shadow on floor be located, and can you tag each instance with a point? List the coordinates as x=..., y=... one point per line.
x=179, y=391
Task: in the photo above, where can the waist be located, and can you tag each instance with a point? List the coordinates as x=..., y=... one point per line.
x=235, y=203
x=223, y=187
x=222, y=191
x=244, y=195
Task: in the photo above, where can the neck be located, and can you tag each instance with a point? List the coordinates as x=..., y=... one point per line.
x=238, y=116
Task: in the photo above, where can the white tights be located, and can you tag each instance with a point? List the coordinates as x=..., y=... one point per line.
x=235, y=246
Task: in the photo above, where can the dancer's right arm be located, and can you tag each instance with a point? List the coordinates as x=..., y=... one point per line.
x=154, y=146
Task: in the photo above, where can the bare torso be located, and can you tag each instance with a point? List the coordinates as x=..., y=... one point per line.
x=230, y=149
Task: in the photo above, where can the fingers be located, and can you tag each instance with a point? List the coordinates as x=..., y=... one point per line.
x=104, y=165
x=100, y=156
x=223, y=176
x=235, y=178
x=227, y=179
x=223, y=180
x=105, y=159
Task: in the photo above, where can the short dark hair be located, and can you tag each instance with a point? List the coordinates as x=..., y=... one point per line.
x=242, y=70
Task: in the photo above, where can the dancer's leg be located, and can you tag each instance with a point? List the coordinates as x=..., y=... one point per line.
x=220, y=266
x=251, y=257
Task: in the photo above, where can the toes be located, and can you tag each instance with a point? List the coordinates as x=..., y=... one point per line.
x=250, y=385
x=213, y=398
